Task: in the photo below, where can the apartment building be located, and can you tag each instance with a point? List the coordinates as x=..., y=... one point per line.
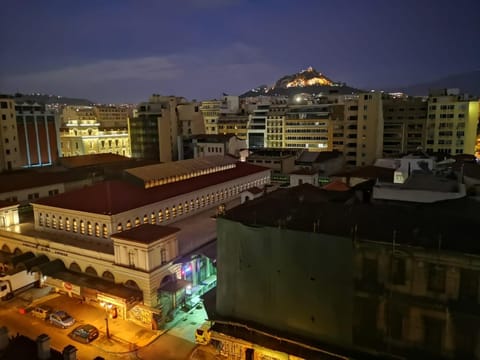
x=415, y=292
x=157, y=126
x=37, y=134
x=452, y=121
x=405, y=121
x=211, y=111
x=10, y=156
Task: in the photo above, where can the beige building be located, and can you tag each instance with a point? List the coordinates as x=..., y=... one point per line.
x=405, y=124
x=94, y=130
x=211, y=111
x=159, y=124
x=10, y=157
x=110, y=230
x=233, y=124
x=451, y=123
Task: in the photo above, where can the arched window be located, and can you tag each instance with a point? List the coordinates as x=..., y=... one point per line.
x=137, y=222
x=119, y=227
x=108, y=275
x=54, y=222
x=105, y=231
x=197, y=203
x=167, y=214
x=186, y=207
x=97, y=230
x=75, y=228
x=82, y=227
x=145, y=219
x=129, y=225
x=132, y=284
x=75, y=267
x=40, y=219
x=17, y=251
x=60, y=223
x=174, y=212
x=153, y=218
x=160, y=216
x=67, y=224
x=91, y=271
x=180, y=209
x=89, y=228
x=47, y=221
x=5, y=248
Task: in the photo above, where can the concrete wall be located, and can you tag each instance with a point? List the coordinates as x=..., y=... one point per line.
x=294, y=282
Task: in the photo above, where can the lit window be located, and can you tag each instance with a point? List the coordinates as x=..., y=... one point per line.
x=160, y=216
x=60, y=223
x=54, y=222
x=145, y=219
x=129, y=224
x=82, y=227
x=105, y=231
x=167, y=214
x=97, y=230
x=75, y=225
x=137, y=222
x=89, y=228
x=67, y=224
x=153, y=218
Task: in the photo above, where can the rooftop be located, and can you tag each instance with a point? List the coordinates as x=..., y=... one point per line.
x=450, y=225
x=368, y=172
x=116, y=196
x=146, y=233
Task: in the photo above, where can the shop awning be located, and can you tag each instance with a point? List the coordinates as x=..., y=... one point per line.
x=174, y=286
x=50, y=268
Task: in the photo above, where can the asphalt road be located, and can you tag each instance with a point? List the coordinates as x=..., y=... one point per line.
x=166, y=347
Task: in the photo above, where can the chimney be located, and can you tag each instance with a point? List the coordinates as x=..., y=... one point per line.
x=43, y=347
x=3, y=338
x=69, y=352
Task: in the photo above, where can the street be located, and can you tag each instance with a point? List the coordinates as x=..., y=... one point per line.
x=124, y=334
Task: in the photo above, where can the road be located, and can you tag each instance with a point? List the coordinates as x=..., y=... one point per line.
x=165, y=347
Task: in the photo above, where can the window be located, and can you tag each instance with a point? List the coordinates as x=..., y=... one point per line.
x=67, y=224
x=97, y=230
x=89, y=228
x=163, y=256
x=398, y=271
x=436, y=278
x=433, y=334
x=160, y=216
x=129, y=225
x=75, y=225
x=82, y=227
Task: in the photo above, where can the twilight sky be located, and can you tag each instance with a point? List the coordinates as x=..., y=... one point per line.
x=125, y=50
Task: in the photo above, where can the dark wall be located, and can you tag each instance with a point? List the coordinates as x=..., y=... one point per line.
x=295, y=282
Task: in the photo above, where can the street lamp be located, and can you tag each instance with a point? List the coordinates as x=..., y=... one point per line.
x=107, y=307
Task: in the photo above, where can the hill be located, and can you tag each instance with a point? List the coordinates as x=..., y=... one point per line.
x=306, y=81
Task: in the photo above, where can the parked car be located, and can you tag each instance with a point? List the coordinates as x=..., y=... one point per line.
x=41, y=311
x=84, y=333
x=61, y=319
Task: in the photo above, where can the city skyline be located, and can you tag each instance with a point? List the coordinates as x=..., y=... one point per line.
x=121, y=52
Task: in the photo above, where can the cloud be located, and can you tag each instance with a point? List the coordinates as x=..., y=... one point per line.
x=200, y=74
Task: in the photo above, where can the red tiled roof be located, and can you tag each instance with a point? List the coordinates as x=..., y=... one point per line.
x=146, y=233
x=336, y=185
x=92, y=159
x=117, y=196
x=31, y=179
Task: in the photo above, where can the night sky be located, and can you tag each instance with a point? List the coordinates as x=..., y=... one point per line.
x=123, y=51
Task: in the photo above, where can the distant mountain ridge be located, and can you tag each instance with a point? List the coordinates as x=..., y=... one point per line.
x=468, y=82
x=51, y=99
x=306, y=81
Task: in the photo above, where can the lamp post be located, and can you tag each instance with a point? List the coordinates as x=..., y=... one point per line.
x=107, y=307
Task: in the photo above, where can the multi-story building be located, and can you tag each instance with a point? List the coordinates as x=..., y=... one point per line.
x=10, y=156
x=404, y=124
x=451, y=123
x=233, y=124
x=211, y=111
x=112, y=116
x=257, y=127
x=85, y=137
x=158, y=124
x=366, y=278
x=125, y=236
x=37, y=134
x=308, y=127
